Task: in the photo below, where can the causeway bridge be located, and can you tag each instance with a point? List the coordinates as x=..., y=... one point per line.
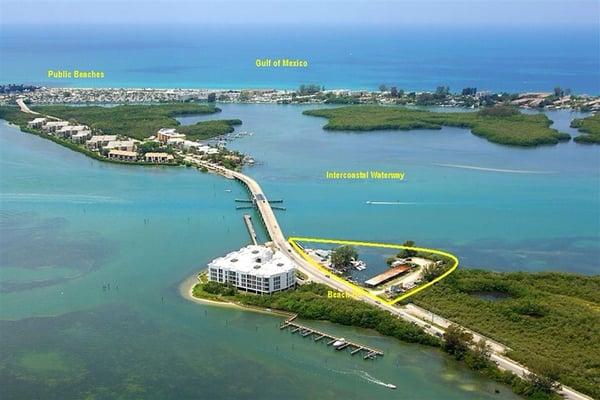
x=316, y=275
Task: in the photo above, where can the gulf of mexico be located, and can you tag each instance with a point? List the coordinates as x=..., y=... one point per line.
x=513, y=60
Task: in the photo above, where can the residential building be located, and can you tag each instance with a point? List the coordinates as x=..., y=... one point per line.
x=254, y=268
x=123, y=155
x=158, y=157
x=97, y=142
x=70, y=130
x=164, y=134
x=81, y=136
x=36, y=123
x=125, y=145
x=53, y=126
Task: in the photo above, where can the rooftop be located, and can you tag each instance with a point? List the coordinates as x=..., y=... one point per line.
x=123, y=153
x=255, y=260
x=387, y=275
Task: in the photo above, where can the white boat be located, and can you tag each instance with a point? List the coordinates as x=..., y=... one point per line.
x=389, y=385
x=359, y=265
x=340, y=342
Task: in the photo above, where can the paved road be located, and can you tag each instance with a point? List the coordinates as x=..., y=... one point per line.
x=24, y=108
x=316, y=275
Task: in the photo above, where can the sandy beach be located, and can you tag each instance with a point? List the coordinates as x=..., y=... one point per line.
x=186, y=289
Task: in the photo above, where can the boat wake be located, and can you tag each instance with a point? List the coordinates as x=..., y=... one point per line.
x=393, y=203
x=509, y=171
x=365, y=376
x=63, y=198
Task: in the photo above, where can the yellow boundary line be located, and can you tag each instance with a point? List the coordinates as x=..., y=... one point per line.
x=357, y=290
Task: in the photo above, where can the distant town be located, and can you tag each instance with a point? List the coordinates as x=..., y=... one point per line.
x=470, y=97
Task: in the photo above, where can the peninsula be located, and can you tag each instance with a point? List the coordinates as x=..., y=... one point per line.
x=133, y=134
x=590, y=127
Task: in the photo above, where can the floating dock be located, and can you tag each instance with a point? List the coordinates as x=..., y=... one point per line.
x=368, y=353
x=251, y=231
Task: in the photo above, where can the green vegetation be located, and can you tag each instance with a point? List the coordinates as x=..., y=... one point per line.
x=136, y=121
x=500, y=124
x=309, y=89
x=459, y=344
x=14, y=115
x=545, y=318
x=342, y=257
x=590, y=126
x=310, y=301
x=208, y=129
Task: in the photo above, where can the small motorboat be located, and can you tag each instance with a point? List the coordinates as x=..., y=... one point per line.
x=228, y=190
x=340, y=342
x=389, y=385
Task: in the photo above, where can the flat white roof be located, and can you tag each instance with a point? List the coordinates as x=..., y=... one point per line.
x=115, y=143
x=254, y=260
x=158, y=155
x=123, y=153
x=102, y=138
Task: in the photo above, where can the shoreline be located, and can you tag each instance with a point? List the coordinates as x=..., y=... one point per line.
x=186, y=288
x=311, y=95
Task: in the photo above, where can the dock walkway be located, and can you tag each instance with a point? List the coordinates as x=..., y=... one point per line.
x=251, y=231
x=368, y=353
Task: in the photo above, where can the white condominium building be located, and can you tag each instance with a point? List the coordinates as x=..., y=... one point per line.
x=254, y=268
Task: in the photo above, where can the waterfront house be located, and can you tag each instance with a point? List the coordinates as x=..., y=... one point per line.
x=70, y=130
x=123, y=155
x=81, y=136
x=36, y=123
x=99, y=141
x=53, y=126
x=158, y=157
x=164, y=134
x=125, y=145
x=254, y=268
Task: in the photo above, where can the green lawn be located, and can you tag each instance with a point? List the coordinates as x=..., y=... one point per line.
x=502, y=125
x=547, y=318
x=589, y=127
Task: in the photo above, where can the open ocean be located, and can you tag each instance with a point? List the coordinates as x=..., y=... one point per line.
x=361, y=58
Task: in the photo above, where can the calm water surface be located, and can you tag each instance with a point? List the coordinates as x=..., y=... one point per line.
x=71, y=226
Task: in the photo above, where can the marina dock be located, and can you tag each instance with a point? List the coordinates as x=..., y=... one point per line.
x=368, y=353
x=251, y=231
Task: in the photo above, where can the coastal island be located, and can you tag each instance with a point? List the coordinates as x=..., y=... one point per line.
x=500, y=124
x=590, y=127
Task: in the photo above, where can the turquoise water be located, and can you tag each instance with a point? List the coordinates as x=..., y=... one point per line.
x=541, y=215
x=514, y=59
x=71, y=226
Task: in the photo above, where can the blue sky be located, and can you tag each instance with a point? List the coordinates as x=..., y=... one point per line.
x=548, y=13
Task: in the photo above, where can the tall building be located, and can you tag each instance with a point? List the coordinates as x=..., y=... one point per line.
x=254, y=268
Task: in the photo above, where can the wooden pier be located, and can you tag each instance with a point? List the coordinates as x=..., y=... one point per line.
x=251, y=231
x=367, y=352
